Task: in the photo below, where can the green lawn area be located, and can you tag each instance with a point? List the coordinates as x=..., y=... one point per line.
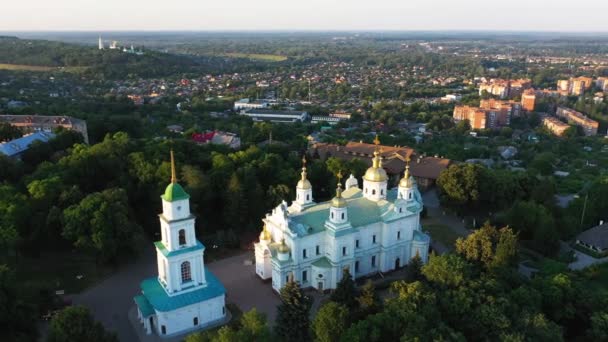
x=59, y=271
x=19, y=67
x=442, y=233
x=257, y=56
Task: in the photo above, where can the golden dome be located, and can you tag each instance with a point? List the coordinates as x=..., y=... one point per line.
x=265, y=235
x=407, y=181
x=303, y=183
x=376, y=173
x=338, y=201
x=283, y=248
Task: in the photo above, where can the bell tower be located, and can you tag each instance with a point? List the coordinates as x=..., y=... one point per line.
x=303, y=190
x=179, y=254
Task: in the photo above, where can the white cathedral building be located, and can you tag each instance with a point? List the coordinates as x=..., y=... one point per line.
x=185, y=296
x=367, y=230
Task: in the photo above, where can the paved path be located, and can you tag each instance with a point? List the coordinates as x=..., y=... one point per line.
x=582, y=260
x=111, y=299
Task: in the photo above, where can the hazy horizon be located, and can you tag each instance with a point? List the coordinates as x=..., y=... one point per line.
x=558, y=16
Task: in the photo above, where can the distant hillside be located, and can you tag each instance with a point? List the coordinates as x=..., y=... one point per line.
x=104, y=63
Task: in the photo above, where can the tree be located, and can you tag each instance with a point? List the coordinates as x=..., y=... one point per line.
x=330, y=322
x=252, y=327
x=368, y=300
x=489, y=246
x=77, y=324
x=292, y=323
x=446, y=270
x=17, y=317
x=534, y=222
x=599, y=326
x=345, y=291
x=101, y=222
x=464, y=185
x=9, y=132
x=414, y=268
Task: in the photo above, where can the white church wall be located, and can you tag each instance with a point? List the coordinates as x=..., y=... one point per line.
x=183, y=319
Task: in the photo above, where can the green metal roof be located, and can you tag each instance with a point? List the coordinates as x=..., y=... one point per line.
x=161, y=247
x=144, y=305
x=159, y=299
x=322, y=263
x=421, y=237
x=361, y=212
x=175, y=192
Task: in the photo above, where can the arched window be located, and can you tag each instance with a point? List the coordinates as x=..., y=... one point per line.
x=410, y=195
x=186, y=274
x=400, y=210
x=373, y=191
x=365, y=190
x=182, y=237
x=343, y=216
x=308, y=197
x=332, y=215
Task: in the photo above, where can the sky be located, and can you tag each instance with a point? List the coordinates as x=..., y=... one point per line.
x=316, y=15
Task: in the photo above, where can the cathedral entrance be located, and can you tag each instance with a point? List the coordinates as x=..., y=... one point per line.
x=397, y=263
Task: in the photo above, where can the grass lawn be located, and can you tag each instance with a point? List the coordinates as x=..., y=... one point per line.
x=19, y=67
x=59, y=271
x=442, y=233
x=257, y=56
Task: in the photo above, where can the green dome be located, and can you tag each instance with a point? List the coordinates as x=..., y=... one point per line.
x=175, y=192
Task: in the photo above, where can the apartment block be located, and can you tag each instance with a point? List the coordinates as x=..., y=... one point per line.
x=576, y=118
x=528, y=99
x=555, y=125
x=505, y=88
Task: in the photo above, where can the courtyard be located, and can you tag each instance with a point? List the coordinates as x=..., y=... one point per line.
x=111, y=299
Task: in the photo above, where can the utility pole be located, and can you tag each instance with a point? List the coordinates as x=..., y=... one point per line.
x=308, y=89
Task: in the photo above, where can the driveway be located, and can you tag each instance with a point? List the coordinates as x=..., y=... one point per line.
x=111, y=299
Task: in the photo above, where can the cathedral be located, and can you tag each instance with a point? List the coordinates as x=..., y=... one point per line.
x=185, y=296
x=367, y=230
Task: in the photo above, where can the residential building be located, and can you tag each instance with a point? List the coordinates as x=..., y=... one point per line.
x=367, y=231
x=41, y=123
x=329, y=119
x=555, y=125
x=185, y=296
x=451, y=98
x=528, y=100
x=595, y=239
x=341, y=115
x=15, y=148
x=576, y=118
x=475, y=115
x=244, y=104
x=505, y=88
x=493, y=114
x=218, y=138
x=285, y=116
x=424, y=169
x=574, y=85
